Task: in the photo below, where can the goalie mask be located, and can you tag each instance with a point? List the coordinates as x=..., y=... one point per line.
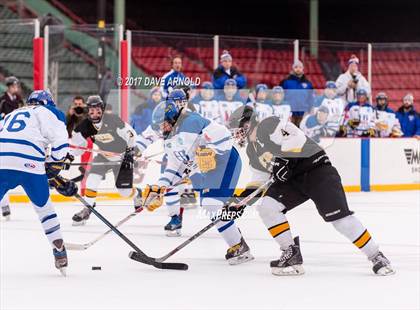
x=96, y=108
x=241, y=122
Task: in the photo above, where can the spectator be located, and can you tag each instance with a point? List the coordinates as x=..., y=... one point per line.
x=351, y=81
x=387, y=123
x=11, y=100
x=226, y=71
x=360, y=117
x=206, y=104
x=317, y=125
x=332, y=102
x=409, y=117
x=262, y=106
x=172, y=78
x=75, y=114
x=142, y=116
x=229, y=100
x=281, y=108
x=298, y=91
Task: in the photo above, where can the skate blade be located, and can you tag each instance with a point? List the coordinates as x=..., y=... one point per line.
x=6, y=218
x=173, y=233
x=243, y=258
x=189, y=206
x=386, y=271
x=295, y=270
x=81, y=223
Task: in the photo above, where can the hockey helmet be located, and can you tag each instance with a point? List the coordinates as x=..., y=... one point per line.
x=40, y=97
x=241, y=122
x=95, y=101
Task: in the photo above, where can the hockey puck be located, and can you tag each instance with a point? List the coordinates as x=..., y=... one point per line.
x=96, y=268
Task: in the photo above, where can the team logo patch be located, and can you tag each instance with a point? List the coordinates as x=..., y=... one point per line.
x=30, y=166
x=104, y=138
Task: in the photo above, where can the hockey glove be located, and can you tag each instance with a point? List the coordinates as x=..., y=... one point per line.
x=52, y=169
x=281, y=170
x=63, y=186
x=153, y=196
x=233, y=209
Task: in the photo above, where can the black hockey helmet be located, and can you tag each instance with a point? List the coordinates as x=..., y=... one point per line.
x=93, y=102
x=11, y=80
x=241, y=122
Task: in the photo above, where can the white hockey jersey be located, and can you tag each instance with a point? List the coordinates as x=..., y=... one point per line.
x=387, y=123
x=194, y=131
x=335, y=108
x=365, y=116
x=263, y=110
x=227, y=108
x=25, y=135
x=282, y=111
x=210, y=109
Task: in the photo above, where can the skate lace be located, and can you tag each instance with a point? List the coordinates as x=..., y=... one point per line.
x=380, y=258
x=287, y=254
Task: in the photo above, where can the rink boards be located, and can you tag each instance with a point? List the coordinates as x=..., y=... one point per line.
x=364, y=165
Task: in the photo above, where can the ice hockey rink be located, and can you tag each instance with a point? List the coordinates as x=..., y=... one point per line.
x=337, y=275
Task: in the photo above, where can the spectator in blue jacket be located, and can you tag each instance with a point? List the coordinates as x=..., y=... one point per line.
x=298, y=92
x=142, y=116
x=172, y=78
x=226, y=71
x=409, y=118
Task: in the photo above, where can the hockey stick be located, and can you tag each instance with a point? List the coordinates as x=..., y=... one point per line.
x=244, y=201
x=85, y=246
x=140, y=255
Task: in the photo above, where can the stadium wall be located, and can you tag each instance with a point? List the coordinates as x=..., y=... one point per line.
x=364, y=165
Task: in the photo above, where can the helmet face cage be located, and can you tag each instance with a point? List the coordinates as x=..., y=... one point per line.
x=240, y=134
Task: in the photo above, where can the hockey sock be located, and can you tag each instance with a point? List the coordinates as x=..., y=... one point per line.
x=49, y=222
x=90, y=196
x=173, y=202
x=276, y=222
x=353, y=229
x=228, y=230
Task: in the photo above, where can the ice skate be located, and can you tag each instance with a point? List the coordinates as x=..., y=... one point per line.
x=5, y=212
x=173, y=228
x=80, y=218
x=381, y=265
x=239, y=253
x=290, y=262
x=138, y=200
x=188, y=199
x=60, y=255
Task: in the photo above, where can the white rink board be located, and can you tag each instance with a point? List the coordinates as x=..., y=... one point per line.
x=389, y=163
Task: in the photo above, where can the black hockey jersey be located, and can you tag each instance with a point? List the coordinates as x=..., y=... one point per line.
x=286, y=141
x=110, y=135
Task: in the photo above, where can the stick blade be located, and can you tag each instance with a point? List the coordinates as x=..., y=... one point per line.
x=146, y=260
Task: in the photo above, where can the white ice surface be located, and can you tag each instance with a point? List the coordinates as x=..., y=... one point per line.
x=337, y=275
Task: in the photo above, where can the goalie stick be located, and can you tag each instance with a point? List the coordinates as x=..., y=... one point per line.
x=140, y=255
x=85, y=246
x=244, y=201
